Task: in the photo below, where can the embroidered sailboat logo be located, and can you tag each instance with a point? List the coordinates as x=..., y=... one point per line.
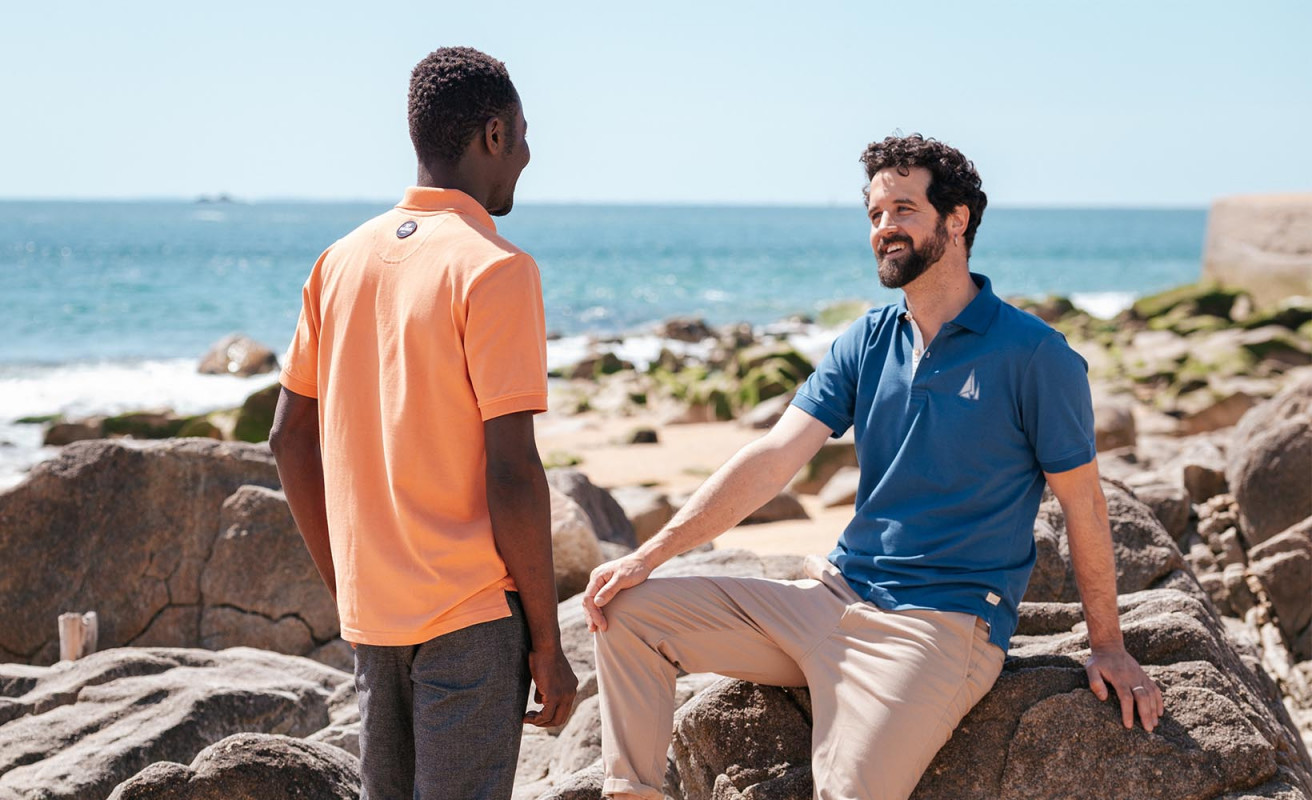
x=970, y=389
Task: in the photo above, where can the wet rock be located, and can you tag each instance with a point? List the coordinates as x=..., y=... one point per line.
x=255, y=419
x=239, y=355
x=60, y=433
x=685, y=329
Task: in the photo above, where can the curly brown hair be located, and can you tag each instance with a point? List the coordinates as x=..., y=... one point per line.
x=953, y=179
x=454, y=91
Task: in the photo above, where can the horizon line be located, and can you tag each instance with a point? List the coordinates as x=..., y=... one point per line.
x=224, y=199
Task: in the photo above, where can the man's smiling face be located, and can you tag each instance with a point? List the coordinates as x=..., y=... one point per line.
x=907, y=235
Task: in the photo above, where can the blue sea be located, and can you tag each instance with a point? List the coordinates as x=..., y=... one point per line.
x=107, y=306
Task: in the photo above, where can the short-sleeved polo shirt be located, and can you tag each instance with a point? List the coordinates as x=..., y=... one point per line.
x=952, y=456
x=415, y=329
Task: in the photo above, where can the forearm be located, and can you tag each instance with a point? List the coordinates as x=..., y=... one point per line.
x=300, y=468
x=1094, y=562
x=519, y=502
x=743, y=484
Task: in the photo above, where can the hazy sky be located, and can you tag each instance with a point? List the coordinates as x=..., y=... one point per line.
x=1149, y=102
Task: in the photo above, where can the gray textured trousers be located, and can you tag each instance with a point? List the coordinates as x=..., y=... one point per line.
x=443, y=719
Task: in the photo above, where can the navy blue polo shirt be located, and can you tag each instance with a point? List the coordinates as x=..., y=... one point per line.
x=952, y=458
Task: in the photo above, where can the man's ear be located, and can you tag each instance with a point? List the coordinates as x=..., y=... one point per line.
x=958, y=219
x=494, y=135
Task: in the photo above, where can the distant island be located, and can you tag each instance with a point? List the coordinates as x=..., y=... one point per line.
x=221, y=198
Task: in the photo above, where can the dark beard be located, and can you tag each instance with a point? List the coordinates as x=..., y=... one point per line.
x=906, y=267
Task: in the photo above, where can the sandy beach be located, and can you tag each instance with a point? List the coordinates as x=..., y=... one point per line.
x=682, y=458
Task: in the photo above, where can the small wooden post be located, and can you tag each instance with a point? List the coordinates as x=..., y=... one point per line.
x=78, y=635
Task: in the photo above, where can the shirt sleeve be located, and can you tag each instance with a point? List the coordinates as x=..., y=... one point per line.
x=1056, y=406
x=829, y=394
x=300, y=372
x=505, y=339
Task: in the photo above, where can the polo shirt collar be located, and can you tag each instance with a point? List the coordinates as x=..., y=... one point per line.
x=980, y=313
x=431, y=200
x=977, y=316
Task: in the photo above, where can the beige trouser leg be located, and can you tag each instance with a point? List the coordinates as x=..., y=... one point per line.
x=887, y=688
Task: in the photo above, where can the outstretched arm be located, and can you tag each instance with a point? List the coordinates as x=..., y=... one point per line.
x=1089, y=533
x=520, y=505
x=294, y=440
x=746, y=482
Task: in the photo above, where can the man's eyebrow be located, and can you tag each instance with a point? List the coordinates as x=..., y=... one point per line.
x=900, y=201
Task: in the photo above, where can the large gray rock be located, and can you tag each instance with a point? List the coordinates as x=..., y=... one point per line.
x=236, y=354
x=1040, y=733
x=574, y=549
x=259, y=537
x=781, y=507
x=1283, y=567
x=124, y=529
x=1269, y=477
x=251, y=766
x=608, y=519
x=832, y=456
x=78, y=729
x=1146, y=554
x=1262, y=244
x=647, y=508
x=747, y=735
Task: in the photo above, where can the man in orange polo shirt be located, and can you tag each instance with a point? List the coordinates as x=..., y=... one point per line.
x=404, y=440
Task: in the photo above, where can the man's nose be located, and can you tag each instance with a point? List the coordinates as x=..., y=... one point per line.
x=883, y=223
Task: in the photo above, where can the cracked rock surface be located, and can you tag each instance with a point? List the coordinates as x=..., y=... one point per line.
x=77, y=729
x=181, y=543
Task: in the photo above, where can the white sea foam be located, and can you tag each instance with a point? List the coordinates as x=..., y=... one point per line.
x=1103, y=305
x=115, y=387
x=82, y=390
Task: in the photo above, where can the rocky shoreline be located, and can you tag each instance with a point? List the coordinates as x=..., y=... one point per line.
x=213, y=684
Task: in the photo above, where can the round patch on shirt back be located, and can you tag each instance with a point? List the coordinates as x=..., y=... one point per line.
x=408, y=227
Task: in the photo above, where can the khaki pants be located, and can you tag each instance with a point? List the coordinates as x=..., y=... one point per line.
x=887, y=688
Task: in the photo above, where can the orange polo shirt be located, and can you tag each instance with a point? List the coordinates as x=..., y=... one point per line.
x=416, y=328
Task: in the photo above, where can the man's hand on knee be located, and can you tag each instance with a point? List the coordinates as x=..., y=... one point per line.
x=607, y=581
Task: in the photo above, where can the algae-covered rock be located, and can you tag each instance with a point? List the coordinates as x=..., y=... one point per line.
x=146, y=425
x=1193, y=300
x=256, y=415
x=841, y=313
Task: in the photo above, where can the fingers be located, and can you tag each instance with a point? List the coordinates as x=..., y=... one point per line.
x=596, y=619
x=1126, y=696
x=1151, y=705
x=608, y=591
x=1096, y=683
x=545, y=717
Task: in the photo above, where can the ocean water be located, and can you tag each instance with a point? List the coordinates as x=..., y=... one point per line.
x=107, y=306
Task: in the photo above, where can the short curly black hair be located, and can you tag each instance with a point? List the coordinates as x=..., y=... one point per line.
x=953, y=182
x=454, y=91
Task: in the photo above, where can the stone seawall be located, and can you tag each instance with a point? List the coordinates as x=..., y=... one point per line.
x=1262, y=244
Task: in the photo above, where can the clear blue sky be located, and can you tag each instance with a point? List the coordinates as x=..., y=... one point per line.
x=1151, y=102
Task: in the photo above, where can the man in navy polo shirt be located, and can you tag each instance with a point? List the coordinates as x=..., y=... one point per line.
x=963, y=409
